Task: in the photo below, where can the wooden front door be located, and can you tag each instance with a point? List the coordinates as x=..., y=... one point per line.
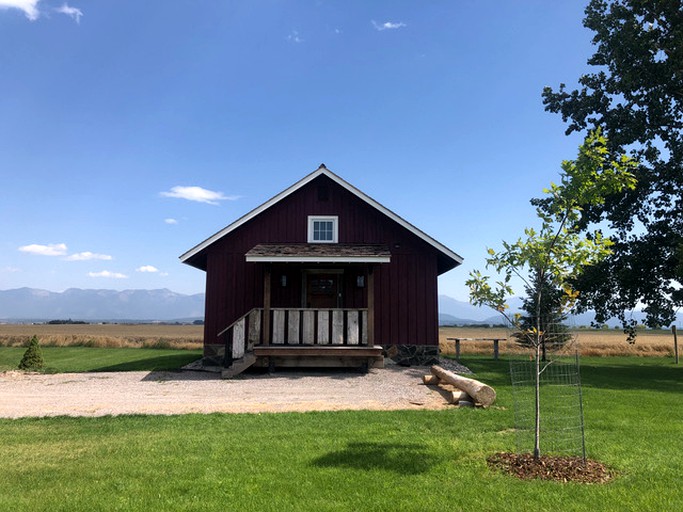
x=323, y=290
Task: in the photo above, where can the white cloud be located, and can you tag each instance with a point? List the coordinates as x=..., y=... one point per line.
x=199, y=194
x=170, y=221
x=388, y=25
x=73, y=12
x=10, y=270
x=294, y=37
x=30, y=7
x=147, y=268
x=107, y=274
x=87, y=255
x=45, y=250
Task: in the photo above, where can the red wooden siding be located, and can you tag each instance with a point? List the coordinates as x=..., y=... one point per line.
x=405, y=289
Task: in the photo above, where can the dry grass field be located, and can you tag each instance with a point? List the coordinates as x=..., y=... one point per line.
x=105, y=335
x=610, y=342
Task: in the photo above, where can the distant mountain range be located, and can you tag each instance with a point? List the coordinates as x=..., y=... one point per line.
x=30, y=304
x=456, y=312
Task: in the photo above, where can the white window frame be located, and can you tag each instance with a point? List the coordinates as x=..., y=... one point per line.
x=312, y=219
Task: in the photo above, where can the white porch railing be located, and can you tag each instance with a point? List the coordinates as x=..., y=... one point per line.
x=301, y=326
x=296, y=326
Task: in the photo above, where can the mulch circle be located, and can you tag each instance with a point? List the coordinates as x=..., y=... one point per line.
x=548, y=467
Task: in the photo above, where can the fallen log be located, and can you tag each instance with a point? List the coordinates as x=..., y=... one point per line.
x=452, y=397
x=430, y=380
x=480, y=392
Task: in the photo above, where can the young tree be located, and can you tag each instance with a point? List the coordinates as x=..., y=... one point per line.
x=556, y=253
x=33, y=357
x=635, y=94
x=547, y=315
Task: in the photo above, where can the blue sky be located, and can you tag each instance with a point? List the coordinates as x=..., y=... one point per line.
x=111, y=110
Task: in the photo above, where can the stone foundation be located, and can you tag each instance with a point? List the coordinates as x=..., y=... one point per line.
x=214, y=355
x=413, y=355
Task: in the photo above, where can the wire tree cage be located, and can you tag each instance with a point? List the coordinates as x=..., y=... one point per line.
x=560, y=398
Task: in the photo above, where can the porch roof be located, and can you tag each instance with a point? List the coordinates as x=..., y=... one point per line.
x=319, y=253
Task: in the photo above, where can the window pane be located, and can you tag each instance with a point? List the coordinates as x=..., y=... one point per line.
x=322, y=230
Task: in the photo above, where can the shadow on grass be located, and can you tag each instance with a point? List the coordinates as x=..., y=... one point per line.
x=666, y=377
x=405, y=459
x=156, y=363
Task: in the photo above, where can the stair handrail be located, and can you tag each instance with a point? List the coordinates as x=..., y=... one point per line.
x=227, y=357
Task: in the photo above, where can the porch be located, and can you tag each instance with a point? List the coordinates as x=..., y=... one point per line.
x=291, y=337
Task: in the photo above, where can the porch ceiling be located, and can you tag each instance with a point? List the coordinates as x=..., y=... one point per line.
x=319, y=253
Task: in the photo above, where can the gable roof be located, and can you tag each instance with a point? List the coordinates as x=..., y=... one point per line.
x=322, y=171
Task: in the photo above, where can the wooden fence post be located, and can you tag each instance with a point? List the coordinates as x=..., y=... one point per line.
x=673, y=330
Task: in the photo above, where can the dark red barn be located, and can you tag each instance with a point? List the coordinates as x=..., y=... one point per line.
x=320, y=274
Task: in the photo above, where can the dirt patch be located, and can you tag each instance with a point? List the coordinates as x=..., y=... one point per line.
x=100, y=394
x=546, y=467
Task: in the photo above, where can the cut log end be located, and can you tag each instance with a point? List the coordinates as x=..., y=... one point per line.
x=430, y=380
x=457, y=396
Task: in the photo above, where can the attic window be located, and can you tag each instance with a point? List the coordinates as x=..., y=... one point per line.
x=323, y=230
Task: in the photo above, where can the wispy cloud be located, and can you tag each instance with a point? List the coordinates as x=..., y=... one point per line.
x=295, y=37
x=45, y=250
x=73, y=12
x=10, y=270
x=87, y=255
x=107, y=274
x=170, y=221
x=388, y=25
x=30, y=7
x=147, y=268
x=199, y=194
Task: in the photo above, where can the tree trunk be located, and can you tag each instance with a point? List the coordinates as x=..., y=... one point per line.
x=483, y=394
x=537, y=408
x=537, y=381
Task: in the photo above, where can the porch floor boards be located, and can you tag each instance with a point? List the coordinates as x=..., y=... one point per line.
x=319, y=356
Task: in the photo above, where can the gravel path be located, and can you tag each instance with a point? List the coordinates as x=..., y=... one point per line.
x=100, y=394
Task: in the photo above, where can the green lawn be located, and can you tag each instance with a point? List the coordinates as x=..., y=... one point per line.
x=355, y=461
x=86, y=359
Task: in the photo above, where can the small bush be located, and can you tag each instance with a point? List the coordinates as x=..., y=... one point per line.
x=33, y=357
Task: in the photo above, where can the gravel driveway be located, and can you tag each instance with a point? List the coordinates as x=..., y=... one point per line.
x=100, y=394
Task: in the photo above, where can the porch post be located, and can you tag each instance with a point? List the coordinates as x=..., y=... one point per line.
x=266, y=304
x=371, y=305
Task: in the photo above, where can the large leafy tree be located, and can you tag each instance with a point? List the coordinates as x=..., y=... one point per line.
x=635, y=95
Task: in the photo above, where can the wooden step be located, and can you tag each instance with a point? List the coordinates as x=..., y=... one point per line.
x=238, y=366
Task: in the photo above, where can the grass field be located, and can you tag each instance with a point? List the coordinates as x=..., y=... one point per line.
x=351, y=461
x=87, y=359
x=105, y=335
x=607, y=342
